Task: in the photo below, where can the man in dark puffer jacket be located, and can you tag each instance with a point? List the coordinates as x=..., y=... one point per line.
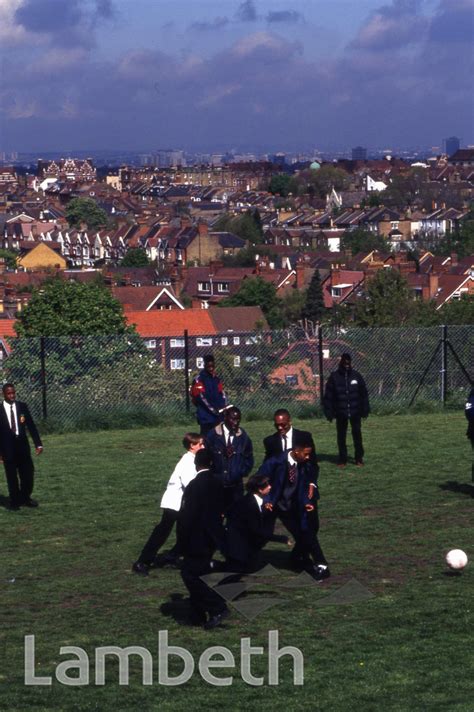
x=346, y=399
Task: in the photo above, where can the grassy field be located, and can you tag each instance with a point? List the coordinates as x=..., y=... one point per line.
x=65, y=578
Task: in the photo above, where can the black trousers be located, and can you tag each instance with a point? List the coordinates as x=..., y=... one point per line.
x=19, y=472
x=341, y=424
x=307, y=545
x=159, y=536
x=203, y=599
x=205, y=428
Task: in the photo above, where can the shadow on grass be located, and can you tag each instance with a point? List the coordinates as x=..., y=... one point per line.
x=323, y=457
x=461, y=487
x=179, y=608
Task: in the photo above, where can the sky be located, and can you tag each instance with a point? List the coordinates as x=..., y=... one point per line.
x=244, y=75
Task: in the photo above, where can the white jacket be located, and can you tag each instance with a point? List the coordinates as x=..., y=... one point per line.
x=182, y=475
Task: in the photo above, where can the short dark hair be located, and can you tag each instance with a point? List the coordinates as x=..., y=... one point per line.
x=281, y=411
x=191, y=439
x=7, y=385
x=257, y=482
x=233, y=409
x=302, y=440
x=203, y=459
x=346, y=357
x=209, y=358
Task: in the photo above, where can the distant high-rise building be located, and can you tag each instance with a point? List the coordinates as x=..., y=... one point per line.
x=170, y=158
x=359, y=153
x=452, y=144
x=278, y=159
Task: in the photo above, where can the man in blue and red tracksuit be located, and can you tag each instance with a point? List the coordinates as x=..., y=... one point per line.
x=207, y=392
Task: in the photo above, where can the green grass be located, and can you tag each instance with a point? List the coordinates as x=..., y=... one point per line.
x=65, y=577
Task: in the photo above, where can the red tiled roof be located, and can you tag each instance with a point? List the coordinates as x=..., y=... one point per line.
x=138, y=298
x=172, y=322
x=7, y=327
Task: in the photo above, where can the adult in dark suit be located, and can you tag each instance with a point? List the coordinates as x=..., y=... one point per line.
x=15, y=421
x=282, y=440
x=293, y=500
x=200, y=533
x=346, y=398
x=232, y=454
x=249, y=526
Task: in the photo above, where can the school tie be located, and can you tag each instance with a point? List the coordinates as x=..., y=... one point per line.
x=292, y=472
x=230, y=448
x=12, y=419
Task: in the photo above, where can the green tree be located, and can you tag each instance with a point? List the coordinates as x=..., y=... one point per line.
x=314, y=305
x=135, y=257
x=10, y=257
x=246, y=257
x=84, y=336
x=361, y=240
x=60, y=308
x=322, y=181
x=458, y=311
x=256, y=292
x=247, y=226
x=85, y=210
x=292, y=305
x=389, y=302
x=280, y=184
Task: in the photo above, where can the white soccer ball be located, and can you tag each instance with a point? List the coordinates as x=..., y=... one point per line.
x=456, y=559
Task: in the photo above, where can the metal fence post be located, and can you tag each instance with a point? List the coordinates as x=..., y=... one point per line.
x=321, y=363
x=444, y=363
x=186, y=368
x=43, y=377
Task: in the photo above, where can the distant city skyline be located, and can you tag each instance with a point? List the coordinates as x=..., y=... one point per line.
x=220, y=75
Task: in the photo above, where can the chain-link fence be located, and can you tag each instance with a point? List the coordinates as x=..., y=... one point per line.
x=93, y=381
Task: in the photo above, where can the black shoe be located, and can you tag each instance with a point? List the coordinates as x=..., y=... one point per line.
x=139, y=568
x=216, y=620
x=30, y=503
x=12, y=507
x=319, y=573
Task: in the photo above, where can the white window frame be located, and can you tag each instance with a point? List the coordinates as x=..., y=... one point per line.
x=236, y=340
x=204, y=341
x=177, y=364
x=177, y=343
x=236, y=361
x=224, y=341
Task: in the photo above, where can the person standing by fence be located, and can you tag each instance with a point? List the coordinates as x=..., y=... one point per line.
x=346, y=398
x=208, y=395
x=469, y=412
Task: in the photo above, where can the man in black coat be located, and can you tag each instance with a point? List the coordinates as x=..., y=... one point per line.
x=346, y=399
x=232, y=454
x=469, y=413
x=15, y=421
x=200, y=533
x=249, y=526
x=293, y=499
x=282, y=440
